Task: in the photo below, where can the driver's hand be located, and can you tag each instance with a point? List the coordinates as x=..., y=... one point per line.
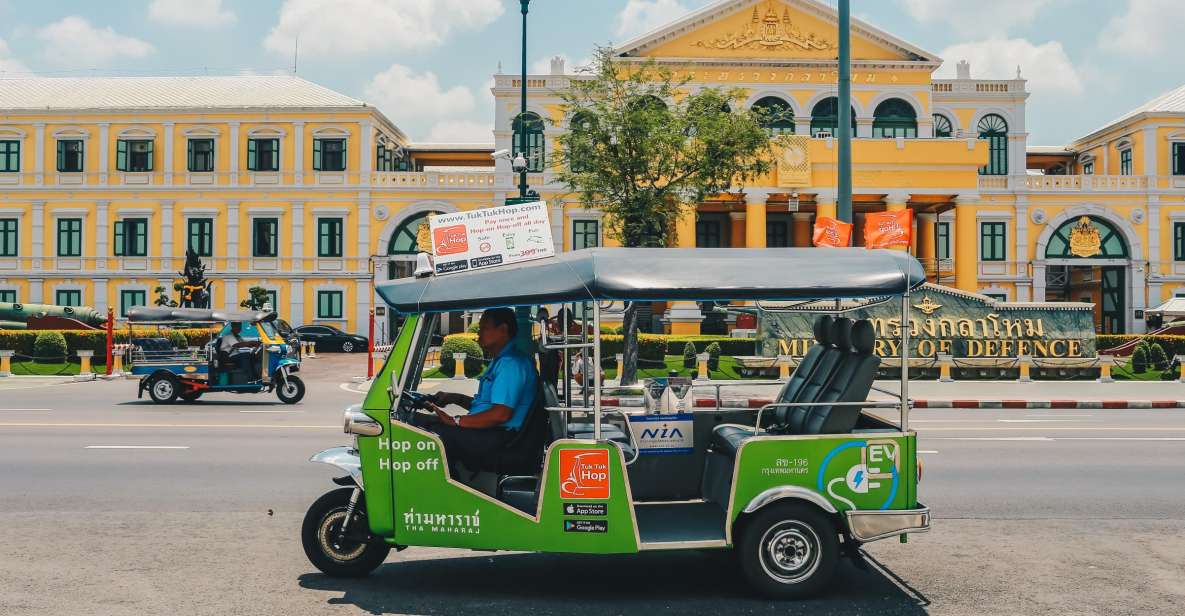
x=443, y=398
x=444, y=417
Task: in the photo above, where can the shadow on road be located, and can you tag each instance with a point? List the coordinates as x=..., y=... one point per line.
x=685, y=582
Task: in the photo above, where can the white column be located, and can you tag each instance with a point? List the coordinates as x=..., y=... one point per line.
x=232, y=236
x=365, y=250
x=234, y=154
x=166, y=235
x=926, y=128
x=38, y=232
x=298, y=152
x=362, y=308
x=102, y=233
x=297, y=236
x=296, y=303
x=1023, y=286
x=230, y=288
x=36, y=290
x=1151, y=161
x=169, y=152
x=100, y=299
x=104, y=134
x=39, y=153
x=557, y=225
x=863, y=128
x=1154, y=225
x=366, y=157
x=802, y=125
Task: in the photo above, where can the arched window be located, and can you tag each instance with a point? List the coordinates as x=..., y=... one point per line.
x=405, y=239
x=581, y=121
x=994, y=129
x=776, y=116
x=1076, y=239
x=528, y=139
x=825, y=117
x=943, y=126
x=894, y=118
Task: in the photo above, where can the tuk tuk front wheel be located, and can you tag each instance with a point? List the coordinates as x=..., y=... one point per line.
x=290, y=391
x=164, y=389
x=789, y=551
x=333, y=555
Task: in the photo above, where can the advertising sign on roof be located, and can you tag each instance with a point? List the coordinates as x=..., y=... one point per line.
x=491, y=237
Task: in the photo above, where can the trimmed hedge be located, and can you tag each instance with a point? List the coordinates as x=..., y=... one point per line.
x=713, y=352
x=49, y=347
x=22, y=340
x=1172, y=345
x=689, y=355
x=461, y=343
x=728, y=346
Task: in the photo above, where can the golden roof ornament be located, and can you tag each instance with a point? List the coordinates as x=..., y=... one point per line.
x=424, y=239
x=1085, y=239
x=770, y=33
x=928, y=306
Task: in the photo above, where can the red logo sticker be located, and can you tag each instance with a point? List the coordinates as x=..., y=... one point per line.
x=450, y=240
x=584, y=473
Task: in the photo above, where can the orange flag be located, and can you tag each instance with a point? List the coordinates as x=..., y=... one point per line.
x=831, y=233
x=888, y=229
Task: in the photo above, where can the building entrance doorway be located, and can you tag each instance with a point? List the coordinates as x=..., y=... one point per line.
x=1088, y=261
x=1101, y=285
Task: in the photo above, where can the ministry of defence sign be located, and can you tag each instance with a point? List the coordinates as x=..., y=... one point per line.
x=947, y=321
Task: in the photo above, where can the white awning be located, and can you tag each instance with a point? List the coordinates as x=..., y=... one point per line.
x=1175, y=307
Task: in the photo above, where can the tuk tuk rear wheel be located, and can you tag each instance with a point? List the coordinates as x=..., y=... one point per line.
x=789, y=551
x=164, y=389
x=190, y=396
x=291, y=391
x=340, y=558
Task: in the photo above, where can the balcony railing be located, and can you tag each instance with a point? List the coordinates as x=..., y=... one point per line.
x=1064, y=183
x=978, y=86
x=463, y=180
x=167, y=267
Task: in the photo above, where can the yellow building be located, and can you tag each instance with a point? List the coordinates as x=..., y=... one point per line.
x=283, y=184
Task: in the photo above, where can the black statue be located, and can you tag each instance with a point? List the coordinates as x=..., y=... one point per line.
x=194, y=288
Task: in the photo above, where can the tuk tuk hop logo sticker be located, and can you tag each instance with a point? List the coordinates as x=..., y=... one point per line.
x=450, y=240
x=876, y=472
x=831, y=233
x=584, y=473
x=888, y=229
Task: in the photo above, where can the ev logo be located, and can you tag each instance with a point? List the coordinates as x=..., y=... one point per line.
x=875, y=472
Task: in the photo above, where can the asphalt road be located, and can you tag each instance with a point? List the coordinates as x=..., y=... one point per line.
x=1075, y=512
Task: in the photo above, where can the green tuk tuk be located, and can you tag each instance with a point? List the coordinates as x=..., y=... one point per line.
x=790, y=487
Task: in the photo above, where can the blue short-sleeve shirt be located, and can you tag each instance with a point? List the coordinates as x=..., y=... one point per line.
x=509, y=380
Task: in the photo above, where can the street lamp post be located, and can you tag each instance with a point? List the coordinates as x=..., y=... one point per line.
x=522, y=117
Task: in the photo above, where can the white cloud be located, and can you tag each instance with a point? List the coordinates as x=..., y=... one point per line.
x=74, y=42
x=977, y=17
x=10, y=66
x=191, y=13
x=1146, y=28
x=461, y=131
x=405, y=95
x=1046, y=66
x=642, y=16
x=371, y=26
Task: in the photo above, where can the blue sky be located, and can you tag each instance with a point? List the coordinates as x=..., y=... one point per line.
x=428, y=63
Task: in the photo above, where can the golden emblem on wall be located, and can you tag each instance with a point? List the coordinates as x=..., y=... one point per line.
x=928, y=306
x=1085, y=239
x=424, y=238
x=771, y=33
x=793, y=157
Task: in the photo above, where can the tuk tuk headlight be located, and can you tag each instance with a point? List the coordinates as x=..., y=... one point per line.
x=357, y=422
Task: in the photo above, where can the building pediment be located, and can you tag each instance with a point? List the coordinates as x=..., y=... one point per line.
x=769, y=30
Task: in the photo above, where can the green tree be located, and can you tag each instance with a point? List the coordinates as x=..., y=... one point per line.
x=644, y=148
x=163, y=299
x=257, y=298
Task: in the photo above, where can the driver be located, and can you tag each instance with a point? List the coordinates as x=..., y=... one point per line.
x=505, y=392
x=230, y=344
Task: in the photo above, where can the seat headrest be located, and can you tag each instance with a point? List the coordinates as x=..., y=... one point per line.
x=841, y=334
x=823, y=328
x=863, y=337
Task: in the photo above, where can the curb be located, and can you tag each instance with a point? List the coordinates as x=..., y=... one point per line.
x=756, y=403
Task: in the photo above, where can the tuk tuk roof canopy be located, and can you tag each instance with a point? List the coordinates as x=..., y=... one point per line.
x=665, y=274
x=150, y=314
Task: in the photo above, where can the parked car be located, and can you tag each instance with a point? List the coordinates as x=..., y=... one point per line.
x=326, y=338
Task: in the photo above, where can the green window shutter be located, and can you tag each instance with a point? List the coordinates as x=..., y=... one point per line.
x=61, y=155
x=316, y=155
x=150, y=148
x=8, y=237
x=1179, y=159
x=992, y=241
x=121, y=155
x=252, y=155
x=118, y=240
x=1179, y=241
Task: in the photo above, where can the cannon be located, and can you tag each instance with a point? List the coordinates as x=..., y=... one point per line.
x=16, y=316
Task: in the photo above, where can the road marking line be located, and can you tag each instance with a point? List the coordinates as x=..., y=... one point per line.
x=271, y=411
x=1059, y=428
x=927, y=451
x=1059, y=415
x=25, y=410
x=136, y=447
x=1048, y=420
x=120, y=425
x=346, y=387
x=1038, y=439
